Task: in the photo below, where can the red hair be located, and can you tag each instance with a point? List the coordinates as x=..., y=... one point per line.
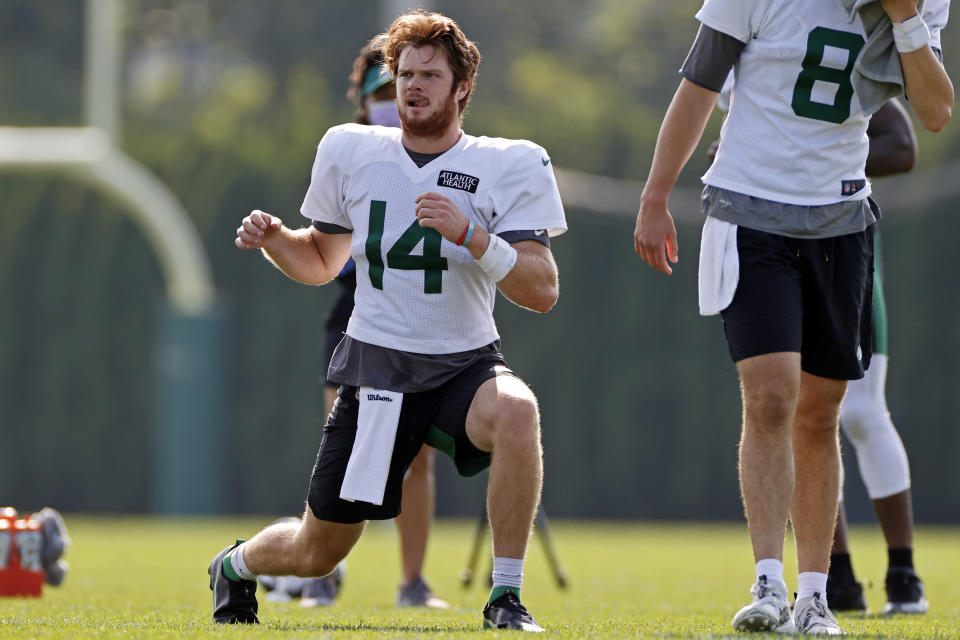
x=421, y=28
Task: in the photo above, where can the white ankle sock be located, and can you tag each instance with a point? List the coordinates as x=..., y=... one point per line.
x=508, y=572
x=770, y=567
x=239, y=564
x=811, y=582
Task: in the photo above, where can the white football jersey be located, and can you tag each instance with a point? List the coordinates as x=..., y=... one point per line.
x=417, y=291
x=795, y=132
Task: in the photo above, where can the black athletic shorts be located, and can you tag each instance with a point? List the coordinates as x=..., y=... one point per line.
x=811, y=296
x=436, y=417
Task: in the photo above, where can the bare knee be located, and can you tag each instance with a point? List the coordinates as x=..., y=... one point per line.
x=770, y=385
x=517, y=422
x=817, y=421
x=818, y=412
x=769, y=410
x=503, y=413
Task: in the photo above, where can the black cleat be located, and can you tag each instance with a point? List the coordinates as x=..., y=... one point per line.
x=234, y=601
x=507, y=613
x=845, y=594
x=904, y=592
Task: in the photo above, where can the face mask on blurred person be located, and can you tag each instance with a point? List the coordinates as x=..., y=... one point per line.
x=383, y=113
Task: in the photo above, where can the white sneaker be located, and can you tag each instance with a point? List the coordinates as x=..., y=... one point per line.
x=769, y=610
x=812, y=616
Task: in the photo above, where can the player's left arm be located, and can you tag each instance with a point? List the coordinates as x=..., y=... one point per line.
x=926, y=83
x=532, y=281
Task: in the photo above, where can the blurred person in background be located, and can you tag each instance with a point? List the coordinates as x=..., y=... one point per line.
x=437, y=221
x=787, y=247
x=865, y=420
x=374, y=92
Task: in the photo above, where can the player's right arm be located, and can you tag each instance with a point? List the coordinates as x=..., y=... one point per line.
x=306, y=255
x=655, y=236
x=721, y=39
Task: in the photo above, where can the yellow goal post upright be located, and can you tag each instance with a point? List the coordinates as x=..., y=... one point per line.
x=188, y=357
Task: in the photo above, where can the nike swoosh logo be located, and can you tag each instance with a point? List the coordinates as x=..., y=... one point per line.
x=546, y=161
x=538, y=232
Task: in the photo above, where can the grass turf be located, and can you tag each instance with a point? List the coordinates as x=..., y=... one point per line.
x=146, y=578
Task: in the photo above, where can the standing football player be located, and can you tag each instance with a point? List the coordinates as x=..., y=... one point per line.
x=787, y=248
x=864, y=418
x=436, y=221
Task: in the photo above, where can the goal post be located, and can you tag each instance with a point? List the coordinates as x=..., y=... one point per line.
x=188, y=358
x=189, y=354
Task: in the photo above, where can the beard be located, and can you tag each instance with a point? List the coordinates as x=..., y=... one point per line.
x=435, y=124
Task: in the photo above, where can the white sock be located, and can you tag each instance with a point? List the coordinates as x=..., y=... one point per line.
x=239, y=564
x=770, y=567
x=811, y=582
x=508, y=572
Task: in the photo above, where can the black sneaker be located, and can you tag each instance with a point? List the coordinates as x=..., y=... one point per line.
x=506, y=612
x=234, y=601
x=904, y=592
x=845, y=594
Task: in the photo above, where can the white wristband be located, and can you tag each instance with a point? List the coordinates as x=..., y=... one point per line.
x=498, y=259
x=911, y=34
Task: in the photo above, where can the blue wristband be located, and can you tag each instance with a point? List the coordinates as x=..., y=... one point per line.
x=466, y=238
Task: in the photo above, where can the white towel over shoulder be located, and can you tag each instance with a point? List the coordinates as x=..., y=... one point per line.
x=378, y=416
x=719, y=266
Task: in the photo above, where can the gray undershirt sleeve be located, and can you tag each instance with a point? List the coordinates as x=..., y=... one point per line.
x=711, y=57
x=540, y=236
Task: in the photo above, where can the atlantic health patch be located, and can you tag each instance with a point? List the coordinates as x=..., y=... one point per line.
x=455, y=180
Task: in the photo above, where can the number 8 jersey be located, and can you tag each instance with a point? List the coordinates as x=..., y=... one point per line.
x=417, y=291
x=795, y=132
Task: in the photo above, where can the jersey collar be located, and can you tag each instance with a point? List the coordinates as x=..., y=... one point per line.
x=419, y=174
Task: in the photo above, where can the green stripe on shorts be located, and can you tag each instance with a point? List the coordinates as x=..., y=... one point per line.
x=879, y=309
x=471, y=466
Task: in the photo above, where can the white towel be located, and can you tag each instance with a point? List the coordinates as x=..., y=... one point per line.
x=378, y=416
x=719, y=266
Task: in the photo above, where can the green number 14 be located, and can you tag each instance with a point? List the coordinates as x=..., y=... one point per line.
x=399, y=256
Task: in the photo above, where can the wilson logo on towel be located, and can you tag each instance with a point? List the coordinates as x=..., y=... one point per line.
x=376, y=397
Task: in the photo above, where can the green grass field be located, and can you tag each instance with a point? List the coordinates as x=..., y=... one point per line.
x=146, y=578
